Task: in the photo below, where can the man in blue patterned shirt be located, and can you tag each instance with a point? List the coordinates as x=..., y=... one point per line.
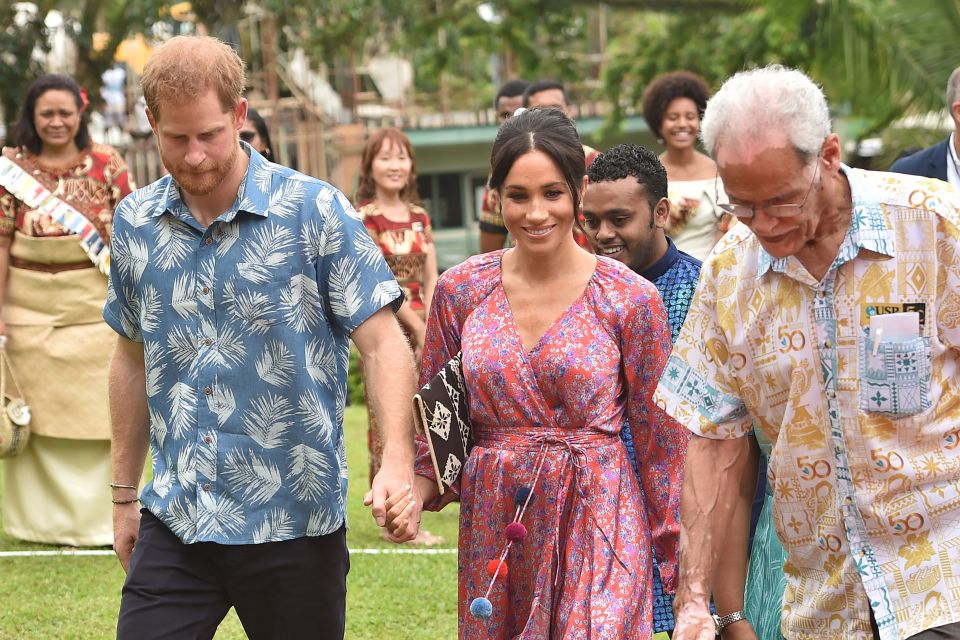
x=235, y=288
x=625, y=209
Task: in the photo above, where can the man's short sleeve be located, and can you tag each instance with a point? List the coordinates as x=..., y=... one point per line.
x=122, y=309
x=697, y=387
x=351, y=271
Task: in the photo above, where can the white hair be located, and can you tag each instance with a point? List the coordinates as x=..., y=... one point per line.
x=953, y=88
x=771, y=99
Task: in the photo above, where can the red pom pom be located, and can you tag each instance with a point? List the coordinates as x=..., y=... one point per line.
x=492, y=568
x=515, y=532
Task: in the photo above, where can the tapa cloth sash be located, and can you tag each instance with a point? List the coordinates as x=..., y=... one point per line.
x=31, y=192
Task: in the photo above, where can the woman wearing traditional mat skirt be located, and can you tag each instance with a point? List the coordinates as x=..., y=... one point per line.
x=58, y=191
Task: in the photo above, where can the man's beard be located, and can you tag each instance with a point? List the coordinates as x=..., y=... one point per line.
x=202, y=180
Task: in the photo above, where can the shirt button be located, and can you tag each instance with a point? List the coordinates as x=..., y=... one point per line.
x=206, y=487
x=205, y=290
x=207, y=391
x=208, y=439
x=827, y=344
x=208, y=241
x=831, y=394
x=208, y=342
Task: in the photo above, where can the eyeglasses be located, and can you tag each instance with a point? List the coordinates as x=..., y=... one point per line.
x=248, y=136
x=773, y=210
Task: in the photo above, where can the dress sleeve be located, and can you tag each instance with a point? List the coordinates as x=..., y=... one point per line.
x=8, y=212
x=490, y=218
x=119, y=179
x=660, y=442
x=441, y=343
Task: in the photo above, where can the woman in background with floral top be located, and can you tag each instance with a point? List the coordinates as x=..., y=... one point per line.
x=57, y=491
x=388, y=201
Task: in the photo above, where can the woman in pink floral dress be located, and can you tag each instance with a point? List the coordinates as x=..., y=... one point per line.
x=560, y=347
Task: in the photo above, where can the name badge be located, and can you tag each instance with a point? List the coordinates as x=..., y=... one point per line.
x=872, y=309
x=417, y=227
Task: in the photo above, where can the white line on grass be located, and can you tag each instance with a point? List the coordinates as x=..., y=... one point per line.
x=109, y=552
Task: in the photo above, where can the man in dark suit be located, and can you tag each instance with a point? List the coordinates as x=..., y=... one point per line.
x=940, y=160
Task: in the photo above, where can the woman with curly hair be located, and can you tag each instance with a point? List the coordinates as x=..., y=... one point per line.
x=672, y=106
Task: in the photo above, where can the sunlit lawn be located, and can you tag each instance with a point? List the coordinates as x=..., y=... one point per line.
x=389, y=596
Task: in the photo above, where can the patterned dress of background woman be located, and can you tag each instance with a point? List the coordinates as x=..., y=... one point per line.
x=57, y=491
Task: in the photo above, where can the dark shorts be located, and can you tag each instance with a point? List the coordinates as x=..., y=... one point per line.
x=295, y=589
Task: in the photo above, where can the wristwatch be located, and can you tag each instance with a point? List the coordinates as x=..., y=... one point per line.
x=727, y=620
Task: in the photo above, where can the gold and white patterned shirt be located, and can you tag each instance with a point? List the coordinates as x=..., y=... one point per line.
x=865, y=465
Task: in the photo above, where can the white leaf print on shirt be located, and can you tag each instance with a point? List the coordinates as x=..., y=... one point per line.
x=263, y=176
x=153, y=365
x=311, y=239
x=158, y=427
x=316, y=417
x=187, y=467
x=229, y=234
x=267, y=419
x=184, y=298
x=222, y=403
x=323, y=521
x=385, y=293
x=183, y=408
x=219, y=515
x=300, y=303
x=331, y=237
x=140, y=206
x=311, y=472
x=347, y=207
x=162, y=483
x=275, y=364
x=366, y=249
x=207, y=456
x=257, y=479
x=132, y=257
x=324, y=200
x=321, y=362
x=228, y=349
x=265, y=252
x=150, y=310
x=182, y=518
x=287, y=200
x=345, y=297
x=277, y=525
x=252, y=308
x=182, y=347
x=173, y=243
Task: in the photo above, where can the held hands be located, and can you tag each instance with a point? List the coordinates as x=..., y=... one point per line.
x=395, y=505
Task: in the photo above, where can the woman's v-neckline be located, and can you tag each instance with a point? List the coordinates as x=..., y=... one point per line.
x=528, y=352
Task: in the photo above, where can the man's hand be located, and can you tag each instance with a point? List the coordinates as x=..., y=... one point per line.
x=394, y=480
x=694, y=622
x=126, y=530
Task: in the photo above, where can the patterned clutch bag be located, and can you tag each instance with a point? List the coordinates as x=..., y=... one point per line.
x=440, y=412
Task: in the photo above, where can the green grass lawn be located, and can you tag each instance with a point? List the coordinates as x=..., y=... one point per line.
x=388, y=596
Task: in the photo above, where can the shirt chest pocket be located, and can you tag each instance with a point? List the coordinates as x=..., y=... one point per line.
x=894, y=376
x=256, y=307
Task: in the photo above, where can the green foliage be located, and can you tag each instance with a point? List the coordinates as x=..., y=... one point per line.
x=18, y=67
x=355, y=380
x=876, y=59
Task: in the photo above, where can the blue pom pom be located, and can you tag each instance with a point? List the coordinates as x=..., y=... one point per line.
x=520, y=497
x=481, y=608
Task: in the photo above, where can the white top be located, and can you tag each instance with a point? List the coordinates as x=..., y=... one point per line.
x=699, y=234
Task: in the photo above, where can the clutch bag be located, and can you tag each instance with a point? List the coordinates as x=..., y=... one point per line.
x=441, y=415
x=15, y=417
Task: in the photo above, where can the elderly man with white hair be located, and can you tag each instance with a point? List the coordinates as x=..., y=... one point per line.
x=830, y=321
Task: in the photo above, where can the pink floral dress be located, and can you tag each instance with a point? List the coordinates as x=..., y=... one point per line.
x=584, y=568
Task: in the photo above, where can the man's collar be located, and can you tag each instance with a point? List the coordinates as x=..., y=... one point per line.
x=869, y=228
x=253, y=197
x=662, y=265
